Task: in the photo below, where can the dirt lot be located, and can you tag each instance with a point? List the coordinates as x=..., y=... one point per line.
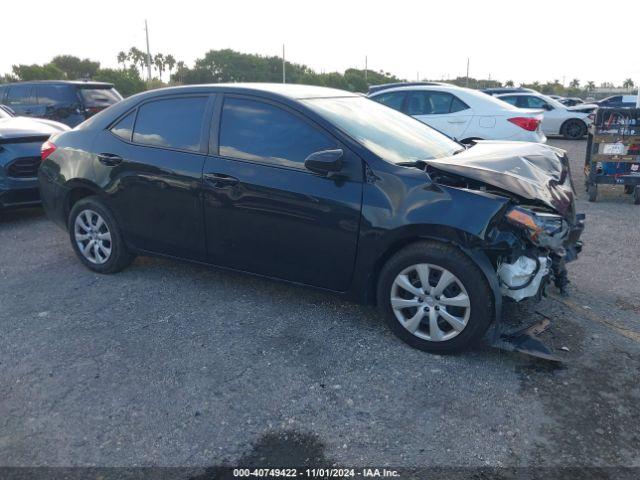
x=174, y=364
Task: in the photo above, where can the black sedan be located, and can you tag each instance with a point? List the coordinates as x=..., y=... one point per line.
x=20, y=142
x=319, y=187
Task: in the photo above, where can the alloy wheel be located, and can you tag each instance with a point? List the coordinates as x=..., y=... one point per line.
x=92, y=236
x=430, y=302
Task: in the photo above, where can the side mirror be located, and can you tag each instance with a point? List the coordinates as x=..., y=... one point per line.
x=324, y=162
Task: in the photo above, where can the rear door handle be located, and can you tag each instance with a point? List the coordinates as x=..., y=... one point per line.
x=219, y=180
x=109, y=159
x=456, y=121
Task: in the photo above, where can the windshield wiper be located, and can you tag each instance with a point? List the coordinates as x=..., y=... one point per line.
x=460, y=150
x=415, y=163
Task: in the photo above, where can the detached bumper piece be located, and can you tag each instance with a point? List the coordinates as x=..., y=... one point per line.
x=524, y=341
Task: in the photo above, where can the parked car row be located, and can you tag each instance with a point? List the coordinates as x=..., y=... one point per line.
x=324, y=188
x=68, y=102
x=21, y=139
x=495, y=114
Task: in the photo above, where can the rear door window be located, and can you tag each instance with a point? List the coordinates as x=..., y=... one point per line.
x=172, y=123
x=259, y=131
x=20, y=95
x=535, y=102
x=99, y=97
x=431, y=103
x=56, y=94
x=391, y=99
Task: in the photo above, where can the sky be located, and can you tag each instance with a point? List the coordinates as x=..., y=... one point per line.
x=504, y=40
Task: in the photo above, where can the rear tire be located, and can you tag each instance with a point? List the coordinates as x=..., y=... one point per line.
x=592, y=192
x=96, y=237
x=574, y=130
x=445, y=318
x=636, y=195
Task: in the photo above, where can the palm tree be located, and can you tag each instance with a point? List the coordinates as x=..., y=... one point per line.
x=628, y=83
x=137, y=57
x=575, y=83
x=591, y=85
x=158, y=60
x=508, y=83
x=170, y=62
x=181, y=68
x=122, y=59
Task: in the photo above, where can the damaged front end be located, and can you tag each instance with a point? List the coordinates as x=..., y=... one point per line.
x=537, y=234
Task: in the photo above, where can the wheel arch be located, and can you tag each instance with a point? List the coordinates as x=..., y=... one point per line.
x=450, y=237
x=572, y=119
x=76, y=190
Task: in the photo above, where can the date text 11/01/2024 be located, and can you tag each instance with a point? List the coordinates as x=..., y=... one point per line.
x=315, y=472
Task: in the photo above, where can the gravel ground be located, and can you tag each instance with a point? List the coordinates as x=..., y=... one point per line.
x=175, y=364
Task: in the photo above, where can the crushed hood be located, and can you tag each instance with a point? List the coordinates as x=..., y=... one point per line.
x=25, y=127
x=532, y=171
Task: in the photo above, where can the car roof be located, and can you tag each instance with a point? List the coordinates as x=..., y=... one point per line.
x=63, y=82
x=419, y=86
x=287, y=90
x=388, y=86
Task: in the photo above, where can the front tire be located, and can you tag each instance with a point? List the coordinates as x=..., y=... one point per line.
x=435, y=298
x=574, y=130
x=96, y=237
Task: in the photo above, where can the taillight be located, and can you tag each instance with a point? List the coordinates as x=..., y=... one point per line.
x=529, y=124
x=47, y=149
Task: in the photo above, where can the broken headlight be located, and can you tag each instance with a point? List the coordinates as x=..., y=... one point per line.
x=543, y=229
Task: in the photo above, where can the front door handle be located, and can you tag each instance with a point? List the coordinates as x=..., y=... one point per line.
x=219, y=180
x=456, y=121
x=109, y=159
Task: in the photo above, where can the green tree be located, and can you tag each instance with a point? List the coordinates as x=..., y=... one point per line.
x=122, y=59
x=628, y=83
x=170, y=63
x=37, y=72
x=591, y=85
x=575, y=83
x=127, y=81
x=74, y=67
x=509, y=83
x=138, y=58
x=181, y=69
x=158, y=61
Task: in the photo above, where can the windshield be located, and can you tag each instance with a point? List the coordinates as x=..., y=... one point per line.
x=393, y=136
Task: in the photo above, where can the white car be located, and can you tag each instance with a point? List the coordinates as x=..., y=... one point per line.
x=462, y=113
x=570, y=122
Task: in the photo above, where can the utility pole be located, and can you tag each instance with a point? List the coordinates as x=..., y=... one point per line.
x=146, y=31
x=365, y=70
x=467, y=72
x=284, y=75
